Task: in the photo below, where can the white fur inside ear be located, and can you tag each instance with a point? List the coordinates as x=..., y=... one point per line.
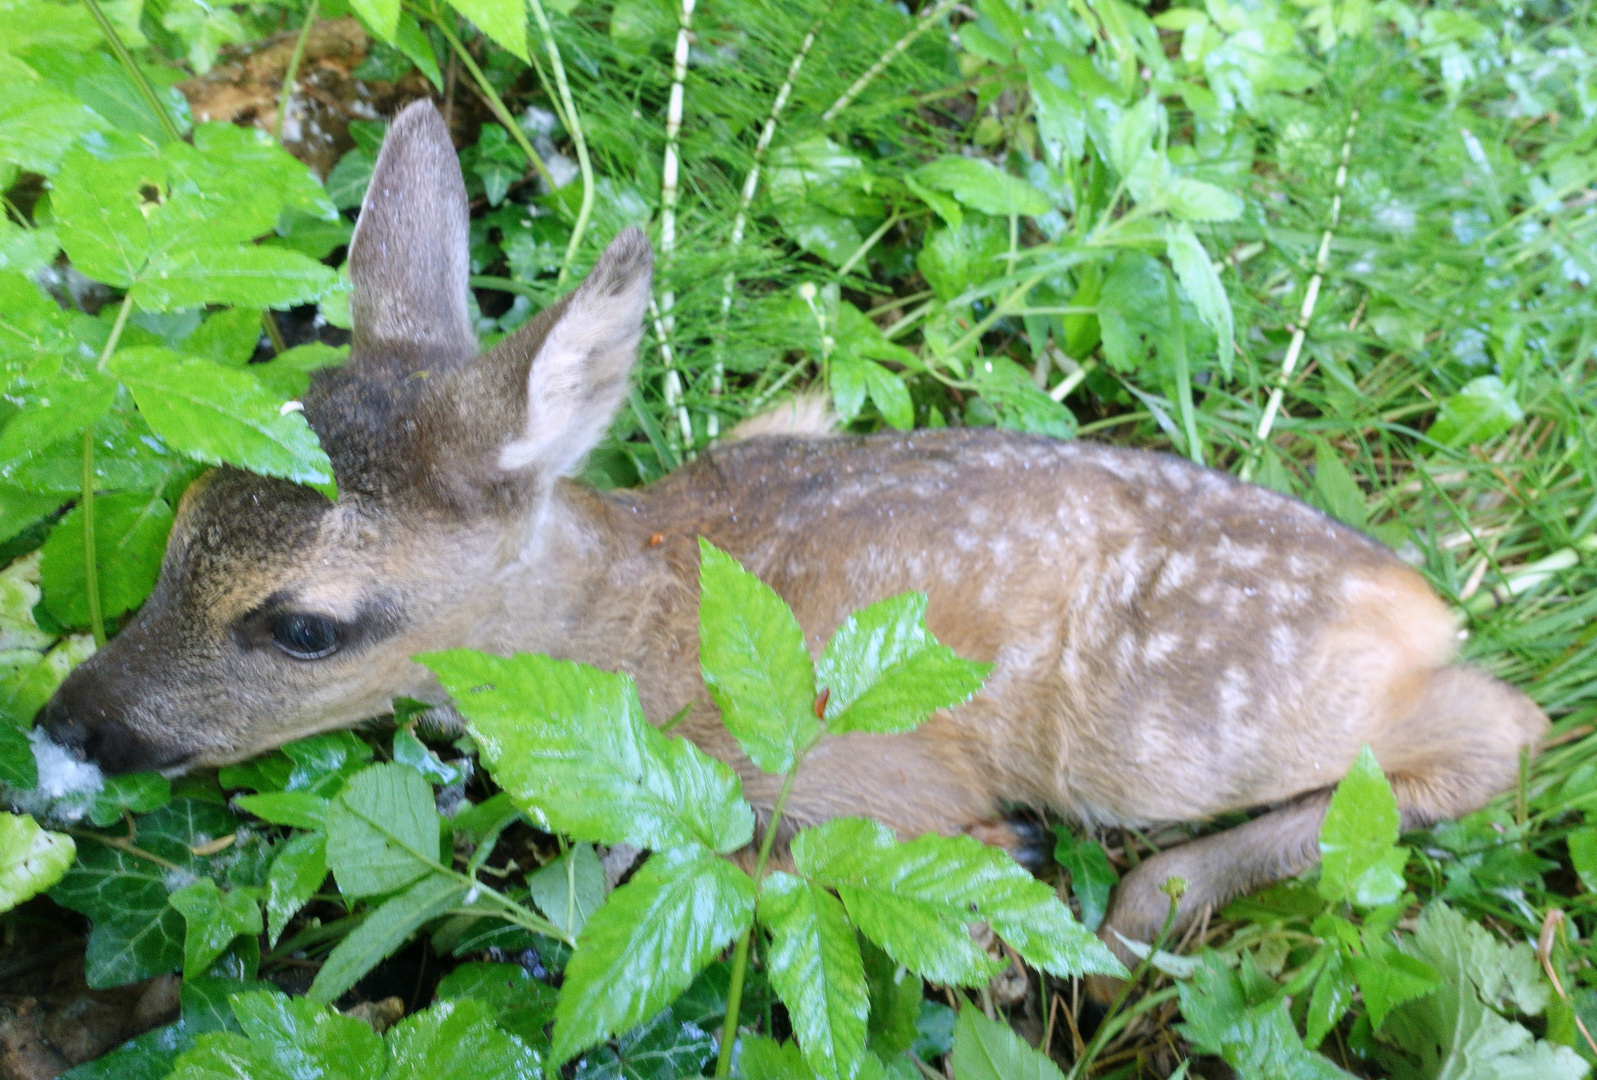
x=579, y=376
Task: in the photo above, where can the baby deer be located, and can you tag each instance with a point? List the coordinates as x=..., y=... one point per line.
x=1170, y=644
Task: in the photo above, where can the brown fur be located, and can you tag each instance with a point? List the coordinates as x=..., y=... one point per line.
x=1169, y=643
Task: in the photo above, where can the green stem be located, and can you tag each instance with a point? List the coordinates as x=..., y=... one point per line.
x=1189, y=414
x=91, y=555
x=1105, y=1029
x=740, y=955
x=574, y=129
x=140, y=80
x=490, y=95
x=292, y=73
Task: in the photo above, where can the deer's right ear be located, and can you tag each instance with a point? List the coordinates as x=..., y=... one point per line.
x=408, y=257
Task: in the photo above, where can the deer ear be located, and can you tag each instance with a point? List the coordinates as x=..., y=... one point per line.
x=579, y=375
x=408, y=257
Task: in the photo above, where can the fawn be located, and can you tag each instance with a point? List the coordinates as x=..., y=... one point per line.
x=1170, y=643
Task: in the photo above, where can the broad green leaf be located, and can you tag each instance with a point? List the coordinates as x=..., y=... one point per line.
x=1483, y=409
x=323, y=763
x=1387, y=978
x=1092, y=878
x=31, y=859
x=38, y=122
x=458, y=1040
x=288, y=374
x=138, y=792
x=286, y=1038
x=129, y=538
x=380, y=16
x=214, y=919
x=1202, y=284
x=885, y=672
x=570, y=888
x=954, y=259
x=752, y=653
x=664, y=1047
x=983, y=186
x=1335, y=490
x=1583, y=855
x=914, y=899
x=383, y=931
x=296, y=809
x=896, y=996
x=254, y=276
x=571, y=745
x=760, y=1058
x=17, y=767
x=647, y=942
x=1361, y=863
x=382, y=831
x=221, y=417
x=257, y=158
x=520, y=1003
x=815, y=966
x=505, y=21
x=26, y=250
x=227, y=337
x=148, y=1057
x=298, y=870
x=1255, y=1037
x=414, y=43
x=58, y=397
x=1330, y=1001
x=1198, y=200
x=409, y=750
x=989, y=1050
x=34, y=323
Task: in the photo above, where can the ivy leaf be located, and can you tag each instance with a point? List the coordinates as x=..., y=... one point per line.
x=983, y=186
x=572, y=885
x=572, y=747
x=816, y=969
x=1092, y=878
x=885, y=672
x=221, y=417
x=138, y=792
x=31, y=859
x=286, y=1038
x=298, y=870
x=383, y=931
x=648, y=941
x=382, y=830
x=665, y=1047
x=988, y=1050
x=1361, y=863
x=520, y=1003
x=214, y=919
x=752, y=653
x=129, y=538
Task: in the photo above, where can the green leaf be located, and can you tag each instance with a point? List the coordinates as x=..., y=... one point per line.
x=296, y=809
x=27, y=250
x=264, y=276
x=1482, y=410
x=886, y=672
x=752, y=653
x=227, y=337
x=17, y=767
x=760, y=1058
x=221, y=417
x=214, y=919
x=323, y=763
x=383, y=931
x=1092, y=878
x=1198, y=200
x=570, y=888
x=954, y=259
x=298, y=870
x=816, y=969
x=914, y=900
x=129, y=538
x=382, y=831
x=983, y=186
x=458, y=1040
x=662, y=1048
x=647, y=942
x=988, y=1050
x=409, y=750
x=1387, y=978
x=520, y=1003
x=505, y=21
x=1332, y=997
x=1256, y=1038
x=31, y=859
x=896, y=996
x=1201, y=282
x=1335, y=490
x=286, y=1038
x=38, y=122
x=1361, y=863
x=414, y=43
x=571, y=745
x=138, y=792
x=380, y=16
x=58, y=397
x=1583, y=855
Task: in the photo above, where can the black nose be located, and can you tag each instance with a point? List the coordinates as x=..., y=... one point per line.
x=104, y=739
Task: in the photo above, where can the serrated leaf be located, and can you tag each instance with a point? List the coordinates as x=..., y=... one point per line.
x=213, y=919
x=1388, y=978
x=1092, y=878
x=58, y=397
x=31, y=859
x=505, y=21
x=664, y=1047
x=380, y=16
x=296, y=809
x=983, y=186
x=647, y=942
x=298, y=870
x=572, y=747
x=752, y=654
x=520, y=1003
x=382, y=830
x=816, y=969
x=383, y=931
x=988, y=1050
x=1201, y=282
x=885, y=672
x=286, y=1038
x=1256, y=1039
x=138, y=793
x=458, y=1040
x=130, y=533
x=259, y=277
x=1361, y=863
x=570, y=888
x=1330, y=1001
x=221, y=417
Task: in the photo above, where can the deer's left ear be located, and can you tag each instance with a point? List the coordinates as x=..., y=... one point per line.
x=578, y=377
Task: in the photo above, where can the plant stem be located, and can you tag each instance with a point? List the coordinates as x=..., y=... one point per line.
x=1189, y=416
x=664, y=317
x=740, y=955
x=1105, y=1029
x=292, y=74
x=489, y=95
x=91, y=555
x=579, y=141
x=140, y=80
x=923, y=24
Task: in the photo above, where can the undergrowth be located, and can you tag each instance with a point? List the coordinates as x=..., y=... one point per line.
x=1343, y=249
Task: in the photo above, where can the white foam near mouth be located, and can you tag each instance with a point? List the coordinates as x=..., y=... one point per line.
x=60, y=773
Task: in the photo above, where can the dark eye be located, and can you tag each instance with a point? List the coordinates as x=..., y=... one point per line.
x=306, y=637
